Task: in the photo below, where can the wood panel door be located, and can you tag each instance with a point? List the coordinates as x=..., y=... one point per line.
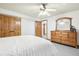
x=3, y=26
x=0, y=26
x=18, y=26
x=6, y=26
x=38, y=28
x=14, y=26
x=9, y=26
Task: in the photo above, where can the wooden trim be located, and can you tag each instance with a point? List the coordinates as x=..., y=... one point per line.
x=46, y=28
x=62, y=18
x=9, y=15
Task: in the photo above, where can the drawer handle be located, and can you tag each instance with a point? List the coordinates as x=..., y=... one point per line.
x=11, y=31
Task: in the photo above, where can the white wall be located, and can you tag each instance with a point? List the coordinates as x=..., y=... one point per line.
x=27, y=25
x=75, y=21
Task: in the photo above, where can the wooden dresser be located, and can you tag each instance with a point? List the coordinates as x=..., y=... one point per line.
x=64, y=37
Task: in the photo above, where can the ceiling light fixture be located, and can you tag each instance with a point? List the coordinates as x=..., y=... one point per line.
x=44, y=13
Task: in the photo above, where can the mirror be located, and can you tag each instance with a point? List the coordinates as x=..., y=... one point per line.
x=63, y=23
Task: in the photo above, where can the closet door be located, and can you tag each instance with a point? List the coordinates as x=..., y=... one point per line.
x=0, y=25
x=9, y=26
x=18, y=26
x=6, y=26
x=38, y=28
x=3, y=27
x=14, y=26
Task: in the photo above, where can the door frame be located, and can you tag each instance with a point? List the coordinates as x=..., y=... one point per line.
x=46, y=28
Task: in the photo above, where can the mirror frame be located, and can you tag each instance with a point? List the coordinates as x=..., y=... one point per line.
x=62, y=18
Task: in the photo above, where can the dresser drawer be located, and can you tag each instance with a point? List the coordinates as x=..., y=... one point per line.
x=72, y=35
x=56, y=40
x=53, y=33
x=73, y=40
x=65, y=35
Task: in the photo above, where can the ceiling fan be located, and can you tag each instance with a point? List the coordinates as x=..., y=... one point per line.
x=44, y=10
x=43, y=7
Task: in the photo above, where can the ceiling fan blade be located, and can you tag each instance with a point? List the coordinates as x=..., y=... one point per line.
x=50, y=9
x=41, y=7
x=44, y=6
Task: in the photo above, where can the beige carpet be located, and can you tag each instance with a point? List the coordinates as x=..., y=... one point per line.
x=63, y=50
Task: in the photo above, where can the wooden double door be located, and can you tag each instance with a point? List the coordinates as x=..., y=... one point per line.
x=9, y=26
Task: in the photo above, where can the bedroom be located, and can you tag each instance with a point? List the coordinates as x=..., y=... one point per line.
x=20, y=36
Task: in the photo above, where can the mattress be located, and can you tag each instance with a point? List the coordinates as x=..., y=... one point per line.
x=26, y=46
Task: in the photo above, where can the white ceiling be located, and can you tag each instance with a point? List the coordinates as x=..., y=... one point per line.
x=33, y=9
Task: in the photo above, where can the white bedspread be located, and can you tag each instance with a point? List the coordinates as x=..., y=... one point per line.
x=26, y=46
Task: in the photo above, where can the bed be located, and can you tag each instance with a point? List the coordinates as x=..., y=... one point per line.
x=26, y=46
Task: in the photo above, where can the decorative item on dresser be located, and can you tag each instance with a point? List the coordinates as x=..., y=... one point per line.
x=9, y=26
x=64, y=34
